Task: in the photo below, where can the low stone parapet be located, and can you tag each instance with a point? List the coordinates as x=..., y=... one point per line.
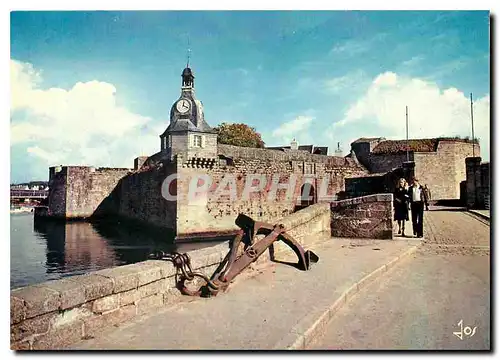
x=363, y=217
x=55, y=314
x=309, y=226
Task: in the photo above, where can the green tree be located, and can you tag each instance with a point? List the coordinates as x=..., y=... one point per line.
x=239, y=135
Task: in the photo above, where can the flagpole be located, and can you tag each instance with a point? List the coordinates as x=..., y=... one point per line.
x=472, y=123
x=407, y=142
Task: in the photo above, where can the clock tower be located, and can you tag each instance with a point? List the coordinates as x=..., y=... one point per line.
x=188, y=133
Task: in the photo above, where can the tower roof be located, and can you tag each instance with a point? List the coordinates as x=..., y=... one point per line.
x=190, y=116
x=187, y=77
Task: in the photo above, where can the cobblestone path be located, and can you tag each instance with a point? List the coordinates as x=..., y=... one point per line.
x=419, y=303
x=455, y=231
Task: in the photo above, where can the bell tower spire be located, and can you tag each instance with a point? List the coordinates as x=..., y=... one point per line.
x=188, y=53
x=187, y=73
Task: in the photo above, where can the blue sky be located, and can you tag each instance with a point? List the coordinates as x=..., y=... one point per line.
x=95, y=88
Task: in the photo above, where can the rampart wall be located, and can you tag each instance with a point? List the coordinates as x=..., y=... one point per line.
x=212, y=213
x=444, y=169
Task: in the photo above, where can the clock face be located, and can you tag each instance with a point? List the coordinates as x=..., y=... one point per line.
x=183, y=106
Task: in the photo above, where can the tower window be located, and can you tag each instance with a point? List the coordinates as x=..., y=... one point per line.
x=197, y=141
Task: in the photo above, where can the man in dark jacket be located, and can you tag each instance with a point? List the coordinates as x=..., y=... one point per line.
x=418, y=198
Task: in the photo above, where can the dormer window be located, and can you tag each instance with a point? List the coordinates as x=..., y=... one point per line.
x=197, y=141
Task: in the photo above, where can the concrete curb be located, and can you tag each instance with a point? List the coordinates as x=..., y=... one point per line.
x=477, y=213
x=300, y=341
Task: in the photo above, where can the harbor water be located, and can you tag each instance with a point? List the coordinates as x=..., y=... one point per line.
x=46, y=250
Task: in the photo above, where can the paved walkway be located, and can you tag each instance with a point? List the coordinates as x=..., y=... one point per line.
x=259, y=312
x=419, y=303
x=482, y=213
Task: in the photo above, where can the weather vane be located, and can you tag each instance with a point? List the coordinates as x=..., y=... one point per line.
x=188, y=52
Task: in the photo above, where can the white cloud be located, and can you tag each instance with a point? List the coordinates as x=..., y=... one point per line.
x=450, y=68
x=81, y=125
x=353, y=47
x=293, y=129
x=348, y=80
x=415, y=60
x=41, y=153
x=432, y=111
x=350, y=47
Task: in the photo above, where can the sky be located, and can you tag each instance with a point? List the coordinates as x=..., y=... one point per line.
x=96, y=88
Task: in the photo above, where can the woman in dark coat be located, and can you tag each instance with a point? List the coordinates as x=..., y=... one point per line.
x=401, y=198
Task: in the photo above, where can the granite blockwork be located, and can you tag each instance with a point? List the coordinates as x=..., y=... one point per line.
x=363, y=217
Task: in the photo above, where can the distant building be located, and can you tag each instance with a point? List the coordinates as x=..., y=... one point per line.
x=310, y=149
x=33, y=185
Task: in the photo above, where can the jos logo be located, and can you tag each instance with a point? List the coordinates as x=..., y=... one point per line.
x=467, y=331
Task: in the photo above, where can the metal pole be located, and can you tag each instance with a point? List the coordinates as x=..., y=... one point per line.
x=472, y=121
x=473, y=151
x=407, y=143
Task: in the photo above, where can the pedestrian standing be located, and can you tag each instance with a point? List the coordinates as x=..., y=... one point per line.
x=401, y=199
x=427, y=196
x=417, y=200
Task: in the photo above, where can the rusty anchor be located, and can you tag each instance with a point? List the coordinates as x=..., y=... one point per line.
x=232, y=265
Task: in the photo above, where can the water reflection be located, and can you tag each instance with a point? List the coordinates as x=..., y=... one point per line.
x=78, y=247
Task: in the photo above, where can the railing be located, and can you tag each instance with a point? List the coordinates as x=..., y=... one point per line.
x=39, y=194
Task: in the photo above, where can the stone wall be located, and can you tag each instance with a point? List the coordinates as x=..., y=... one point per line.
x=381, y=163
x=364, y=217
x=55, y=314
x=183, y=144
x=376, y=183
x=363, y=148
x=365, y=185
x=57, y=195
x=477, y=183
x=444, y=169
x=308, y=226
x=77, y=191
x=138, y=196
x=211, y=213
x=208, y=149
x=139, y=161
x=485, y=185
x=278, y=155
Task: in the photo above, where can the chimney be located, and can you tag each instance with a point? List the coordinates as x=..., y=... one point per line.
x=294, y=145
x=338, y=151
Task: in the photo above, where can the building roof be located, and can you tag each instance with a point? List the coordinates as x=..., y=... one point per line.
x=308, y=148
x=367, y=139
x=414, y=145
x=321, y=150
x=235, y=152
x=311, y=149
x=181, y=125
